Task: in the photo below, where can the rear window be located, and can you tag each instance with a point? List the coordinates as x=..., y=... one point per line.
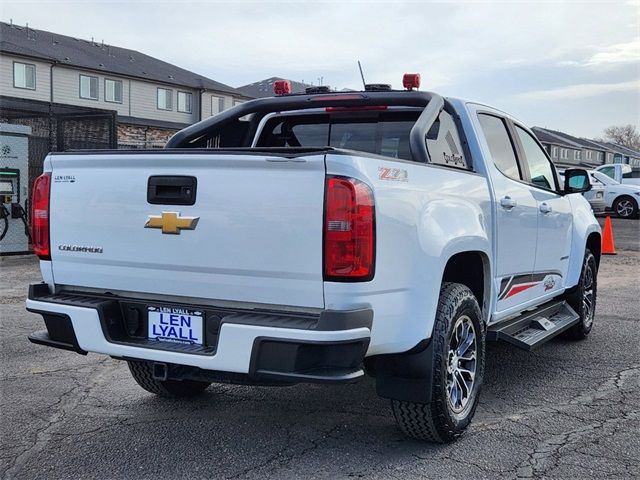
x=381, y=133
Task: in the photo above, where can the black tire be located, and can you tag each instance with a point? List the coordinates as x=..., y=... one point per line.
x=439, y=421
x=579, y=296
x=625, y=207
x=143, y=375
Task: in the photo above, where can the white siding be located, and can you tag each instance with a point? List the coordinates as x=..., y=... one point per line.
x=139, y=97
x=66, y=89
x=144, y=103
x=42, y=79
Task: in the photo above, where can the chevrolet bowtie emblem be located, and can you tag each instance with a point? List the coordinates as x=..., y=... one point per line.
x=171, y=222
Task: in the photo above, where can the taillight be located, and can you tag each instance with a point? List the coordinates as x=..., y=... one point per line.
x=349, y=231
x=40, y=216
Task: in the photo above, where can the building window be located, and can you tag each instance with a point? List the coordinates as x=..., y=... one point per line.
x=600, y=157
x=112, y=91
x=24, y=75
x=588, y=155
x=554, y=152
x=164, y=99
x=563, y=153
x=217, y=104
x=577, y=154
x=88, y=87
x=184, y=102
x=237, y=102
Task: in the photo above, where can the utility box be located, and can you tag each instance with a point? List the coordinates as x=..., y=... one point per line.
x=14, y=188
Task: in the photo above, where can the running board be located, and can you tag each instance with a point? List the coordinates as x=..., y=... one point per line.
x=532, y=329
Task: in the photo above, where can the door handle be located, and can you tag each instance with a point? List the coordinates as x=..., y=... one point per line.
x=508, y=203
x=545, y=208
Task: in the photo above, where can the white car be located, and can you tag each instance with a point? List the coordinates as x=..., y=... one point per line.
x=595, y=196
x=620, y=198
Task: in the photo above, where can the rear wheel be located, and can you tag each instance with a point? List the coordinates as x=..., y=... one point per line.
x=625, y=207
x=142, y=373
x=583, y=298
x=458, y=369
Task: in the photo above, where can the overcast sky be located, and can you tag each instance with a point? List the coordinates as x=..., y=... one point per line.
x=572, y=66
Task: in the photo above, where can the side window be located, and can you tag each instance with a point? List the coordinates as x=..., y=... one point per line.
x=539, y=165
x=608, y=171
x=504, y=157
x=443, y=143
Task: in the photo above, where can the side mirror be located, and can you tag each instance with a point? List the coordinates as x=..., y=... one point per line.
x=576, y=180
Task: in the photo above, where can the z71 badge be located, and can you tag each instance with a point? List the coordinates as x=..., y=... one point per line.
x=393, y=174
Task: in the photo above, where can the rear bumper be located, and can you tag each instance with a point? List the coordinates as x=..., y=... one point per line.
x=281, y=346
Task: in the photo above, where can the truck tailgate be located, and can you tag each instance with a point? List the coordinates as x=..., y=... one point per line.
x=258, y=237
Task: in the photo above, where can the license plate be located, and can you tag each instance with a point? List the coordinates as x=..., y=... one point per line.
x=178, y=325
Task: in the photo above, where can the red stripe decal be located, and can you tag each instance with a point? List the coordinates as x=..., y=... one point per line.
x=519, y=288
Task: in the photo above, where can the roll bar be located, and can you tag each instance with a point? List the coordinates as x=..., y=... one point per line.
x=431, y=102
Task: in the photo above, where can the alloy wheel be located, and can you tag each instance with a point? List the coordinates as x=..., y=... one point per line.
x=624, y=208
x=461, y=364
x=588, y=296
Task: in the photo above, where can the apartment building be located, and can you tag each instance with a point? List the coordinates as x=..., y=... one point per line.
x=567, y=150
x=151, y=98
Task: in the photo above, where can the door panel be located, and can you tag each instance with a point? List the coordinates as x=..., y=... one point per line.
x=516, y=215
x=554, y=219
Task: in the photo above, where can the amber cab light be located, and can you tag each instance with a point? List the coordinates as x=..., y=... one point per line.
x=40, y=216
x=349, y=231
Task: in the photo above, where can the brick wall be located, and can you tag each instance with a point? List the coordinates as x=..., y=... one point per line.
x=136, y=136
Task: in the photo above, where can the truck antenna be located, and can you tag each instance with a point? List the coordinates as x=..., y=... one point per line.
x=361, y=74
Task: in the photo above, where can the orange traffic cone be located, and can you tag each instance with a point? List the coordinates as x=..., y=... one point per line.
x=608, y=245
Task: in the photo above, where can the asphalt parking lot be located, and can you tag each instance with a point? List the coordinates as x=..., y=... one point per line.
x=569, y=410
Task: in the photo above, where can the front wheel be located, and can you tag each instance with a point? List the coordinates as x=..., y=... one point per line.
x=458, y=369
x=583, y=298
x=625, y=207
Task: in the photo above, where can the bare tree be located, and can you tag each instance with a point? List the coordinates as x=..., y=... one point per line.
x=625, y=135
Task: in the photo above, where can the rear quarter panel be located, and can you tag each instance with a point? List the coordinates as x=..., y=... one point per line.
x=423, y=217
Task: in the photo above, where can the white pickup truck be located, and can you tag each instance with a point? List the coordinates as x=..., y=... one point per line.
x=621, y=173
x=316, y=237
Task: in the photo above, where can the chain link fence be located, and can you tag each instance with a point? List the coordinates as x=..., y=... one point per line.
x=56, y=128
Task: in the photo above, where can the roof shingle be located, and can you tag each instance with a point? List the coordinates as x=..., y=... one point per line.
x=87, y=54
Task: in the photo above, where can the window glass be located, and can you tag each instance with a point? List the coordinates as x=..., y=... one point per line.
x=631, y=174
x=608, y=171
x=384, y=134
x=184, y=102
x=113, y=91
x=88, y=87
x=217, y=104
x=504, y=157
x=164, y=99
x=443, y=143
x=24, y=75
x=540, y=167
